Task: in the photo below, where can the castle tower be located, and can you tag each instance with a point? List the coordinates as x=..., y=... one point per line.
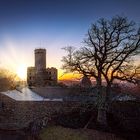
x=40, y=60
x=40, y=75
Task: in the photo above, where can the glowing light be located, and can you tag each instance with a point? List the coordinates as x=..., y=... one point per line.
x=21, y=71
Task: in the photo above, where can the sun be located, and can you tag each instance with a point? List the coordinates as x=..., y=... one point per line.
x=21, y=71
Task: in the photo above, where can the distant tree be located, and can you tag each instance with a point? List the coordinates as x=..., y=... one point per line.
x=7, y=79
x=108, y=52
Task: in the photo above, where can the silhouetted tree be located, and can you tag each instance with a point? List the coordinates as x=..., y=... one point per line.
x=108, y=52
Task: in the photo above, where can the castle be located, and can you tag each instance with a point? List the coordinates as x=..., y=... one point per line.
x=40, y=75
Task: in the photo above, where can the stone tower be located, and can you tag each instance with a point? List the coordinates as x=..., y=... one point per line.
x=39, y=75
x=40, y=59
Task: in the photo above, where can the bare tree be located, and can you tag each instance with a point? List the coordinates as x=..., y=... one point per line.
x=79, y=61
x=108, y=52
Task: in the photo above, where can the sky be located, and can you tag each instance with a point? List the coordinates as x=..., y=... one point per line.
x=51, y=24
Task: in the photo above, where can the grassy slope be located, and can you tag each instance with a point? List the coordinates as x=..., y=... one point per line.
x=61, y=133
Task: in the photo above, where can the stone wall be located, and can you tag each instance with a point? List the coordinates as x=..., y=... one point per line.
x=18, y=114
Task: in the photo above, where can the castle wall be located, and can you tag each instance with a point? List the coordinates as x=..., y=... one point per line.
x=52, y=74
x=18, y=114
x=31, y=71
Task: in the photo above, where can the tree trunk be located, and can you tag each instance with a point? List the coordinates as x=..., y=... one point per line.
x=108, y=91
x=99, y=81
x=102, y=109
x=99, y=88
x=101, y=117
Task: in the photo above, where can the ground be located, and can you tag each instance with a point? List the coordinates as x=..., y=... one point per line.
x=123, y=116
x=61, y=133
